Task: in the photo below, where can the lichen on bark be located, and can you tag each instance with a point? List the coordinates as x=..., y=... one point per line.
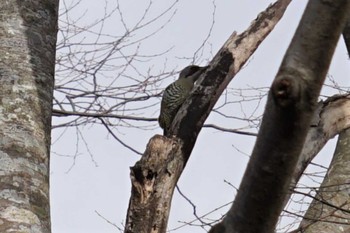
x=27, y=53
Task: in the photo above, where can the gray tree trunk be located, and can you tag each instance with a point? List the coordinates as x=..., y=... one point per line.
x=330, y=209
x=289, y=110
x=27, y=57
x=331, y=117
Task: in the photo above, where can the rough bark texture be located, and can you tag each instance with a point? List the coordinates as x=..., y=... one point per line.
x=331, y=117
x=154, y=179
x=290, y=107
x=28, y=31
x=329, y=211
x=157, y=163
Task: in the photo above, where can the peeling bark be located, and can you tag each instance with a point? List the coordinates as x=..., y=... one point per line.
x=153, y=185
x=27, y=53
x=331, y=117
x=329, y=210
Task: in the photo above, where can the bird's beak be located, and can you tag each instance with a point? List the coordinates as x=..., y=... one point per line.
x=203, y=68
x=199, y=72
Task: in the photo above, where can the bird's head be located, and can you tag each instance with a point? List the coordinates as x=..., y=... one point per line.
x=191, y=70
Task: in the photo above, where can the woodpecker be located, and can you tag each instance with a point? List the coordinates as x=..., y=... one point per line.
x=176, y=93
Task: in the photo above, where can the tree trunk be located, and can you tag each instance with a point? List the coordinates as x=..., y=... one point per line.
x=329, y=211
x=331, y=117
x=27, y=57
x=154, y=177
x=289, y=110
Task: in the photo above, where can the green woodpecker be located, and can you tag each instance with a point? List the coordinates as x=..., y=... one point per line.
x=176, y=93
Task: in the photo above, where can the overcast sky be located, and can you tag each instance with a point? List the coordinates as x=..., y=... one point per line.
x=99, y=182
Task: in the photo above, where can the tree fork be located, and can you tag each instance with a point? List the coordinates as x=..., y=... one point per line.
x=290, y=106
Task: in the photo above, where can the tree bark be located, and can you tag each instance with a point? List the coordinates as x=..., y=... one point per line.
x=290, y=107
x=27, y=58
x=329, y=210
x=331, y=117
x=154, y=177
